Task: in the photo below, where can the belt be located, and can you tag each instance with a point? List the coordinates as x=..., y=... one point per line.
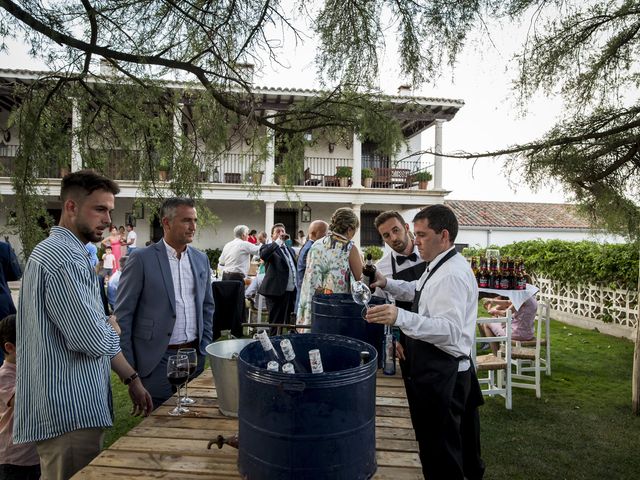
x=191, y=344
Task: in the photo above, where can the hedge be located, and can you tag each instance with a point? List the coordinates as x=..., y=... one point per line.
x=615, y=265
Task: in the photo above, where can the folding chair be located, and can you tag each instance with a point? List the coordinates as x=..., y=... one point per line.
x=526, y=355
x=498, y=367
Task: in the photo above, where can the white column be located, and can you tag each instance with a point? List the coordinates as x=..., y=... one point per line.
x=177, y=130
x=356, y=172
x=356, y=238
x=270, y=162
x=76, y=125
x=269, y=213
x=437, y=169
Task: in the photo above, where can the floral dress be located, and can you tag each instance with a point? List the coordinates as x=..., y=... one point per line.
x=327, y=272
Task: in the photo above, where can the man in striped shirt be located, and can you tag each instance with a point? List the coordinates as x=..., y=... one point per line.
x=66, y=343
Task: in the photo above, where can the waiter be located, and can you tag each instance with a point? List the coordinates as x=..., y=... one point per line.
x=402, y=262
x=442, y=387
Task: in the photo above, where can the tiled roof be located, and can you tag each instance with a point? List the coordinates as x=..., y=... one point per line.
x=517, y=215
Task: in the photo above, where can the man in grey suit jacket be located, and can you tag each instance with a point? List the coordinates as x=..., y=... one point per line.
x=164, y=300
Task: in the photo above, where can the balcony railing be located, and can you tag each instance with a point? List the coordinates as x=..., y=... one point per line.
x=233, y=168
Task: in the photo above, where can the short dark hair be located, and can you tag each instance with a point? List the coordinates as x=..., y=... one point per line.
x=276, y=225
x=86, y=182
x=168, y=207
x=7, y=331
x=440, y=218
x=253, y=232
x=388, y=215
x=130, y=225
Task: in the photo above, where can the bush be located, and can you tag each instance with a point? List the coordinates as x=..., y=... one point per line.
x=214, y=255
x=615, y=265
x=375, y=251
x=367, y=173
x=423, y=176
x=343, y=172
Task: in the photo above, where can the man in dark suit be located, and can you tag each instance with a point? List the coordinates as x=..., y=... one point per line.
x=164, y=300
x=9, y=271
x=279, y=284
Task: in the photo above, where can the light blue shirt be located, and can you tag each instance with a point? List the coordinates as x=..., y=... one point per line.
x=64, y=344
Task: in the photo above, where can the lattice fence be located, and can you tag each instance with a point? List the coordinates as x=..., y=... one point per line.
x=597, y=302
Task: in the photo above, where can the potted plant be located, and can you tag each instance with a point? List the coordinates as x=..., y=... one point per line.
x=367, y=177
x=280, y=173
x=163, y=169
x=256, y=177
x=422, y=178
x=343, y=174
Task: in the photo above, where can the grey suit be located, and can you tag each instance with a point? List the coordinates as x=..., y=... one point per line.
x=146, y=311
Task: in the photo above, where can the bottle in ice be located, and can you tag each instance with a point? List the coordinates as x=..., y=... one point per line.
x=290, y=356
x=364, y=357
x=273, y=366
x=267, y=346
x=389, y=352
x=288, y=368
x=316, y=361
x=369, y=271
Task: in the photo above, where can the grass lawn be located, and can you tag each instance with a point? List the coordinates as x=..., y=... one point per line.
x=581, y=428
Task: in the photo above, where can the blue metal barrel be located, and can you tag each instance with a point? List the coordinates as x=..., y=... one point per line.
x=338, y=314
x=306, y=426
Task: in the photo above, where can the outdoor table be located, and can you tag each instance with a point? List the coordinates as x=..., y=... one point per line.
x=166, y=447
x=517, y=297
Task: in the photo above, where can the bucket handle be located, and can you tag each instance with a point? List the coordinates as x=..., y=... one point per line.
x=293, y=386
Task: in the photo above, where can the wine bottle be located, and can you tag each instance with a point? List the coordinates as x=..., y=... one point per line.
x=267, y=346
x=369, y=271
x=290, y=356
x=273, y=366
x=389, y=361
x=364, y=357
x=316, y=361
x=288, y=368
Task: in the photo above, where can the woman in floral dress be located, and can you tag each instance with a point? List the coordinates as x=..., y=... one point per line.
x=332, y=264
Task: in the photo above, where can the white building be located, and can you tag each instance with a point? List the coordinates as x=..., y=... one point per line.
x=483, y=223
x=226, y=184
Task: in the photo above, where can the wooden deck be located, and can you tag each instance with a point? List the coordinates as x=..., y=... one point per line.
x=165, y=447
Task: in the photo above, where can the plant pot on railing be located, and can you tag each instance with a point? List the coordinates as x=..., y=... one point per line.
x=422, y=178
x=255, y=177
x=343, y=174
x=163, y=170
x=64, y=171
x=367, y=177
x=280, y=174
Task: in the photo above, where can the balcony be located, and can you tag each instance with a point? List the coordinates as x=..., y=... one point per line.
x=238, y=168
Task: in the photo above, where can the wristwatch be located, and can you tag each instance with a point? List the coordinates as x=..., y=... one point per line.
x=130, y=379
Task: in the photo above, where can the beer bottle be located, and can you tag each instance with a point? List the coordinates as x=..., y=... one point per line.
x=483, y=275
x=369, y=271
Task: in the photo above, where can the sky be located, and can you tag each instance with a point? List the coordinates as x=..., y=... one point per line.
x=489, y=119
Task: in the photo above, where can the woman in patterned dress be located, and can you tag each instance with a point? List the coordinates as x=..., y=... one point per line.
x=332, y=264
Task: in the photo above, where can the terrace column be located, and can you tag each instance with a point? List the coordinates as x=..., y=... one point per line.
x=356, y=209
x=177, y=130
x=269, y=211
x=270, y=161
x=356, y=173
x=76, y=125
x=437, y=169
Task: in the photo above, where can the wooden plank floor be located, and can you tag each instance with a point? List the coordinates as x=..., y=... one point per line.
x=166, y=447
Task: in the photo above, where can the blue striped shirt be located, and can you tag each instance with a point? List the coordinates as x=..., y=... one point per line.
x=64, y=345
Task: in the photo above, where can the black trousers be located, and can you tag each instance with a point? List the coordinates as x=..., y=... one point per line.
x=280, y=308
x=448, y=435
x=233, y=276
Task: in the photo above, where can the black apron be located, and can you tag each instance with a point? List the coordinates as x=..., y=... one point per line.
x=408, y=275
x=432, y=378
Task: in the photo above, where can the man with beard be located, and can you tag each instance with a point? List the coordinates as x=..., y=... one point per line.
x=402, y=262
x=65, y=342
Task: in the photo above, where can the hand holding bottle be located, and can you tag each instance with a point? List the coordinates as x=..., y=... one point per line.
x=385, y=314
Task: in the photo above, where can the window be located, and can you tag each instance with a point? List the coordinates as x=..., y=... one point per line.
x=368, y=232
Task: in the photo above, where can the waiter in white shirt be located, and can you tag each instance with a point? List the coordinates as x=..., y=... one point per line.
x=442, y=387
x=402, y=262
x=236, y=255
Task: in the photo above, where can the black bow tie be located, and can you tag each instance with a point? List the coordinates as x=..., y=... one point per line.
x=401, y=258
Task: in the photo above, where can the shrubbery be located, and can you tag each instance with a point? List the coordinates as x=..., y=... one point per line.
x=576, y=262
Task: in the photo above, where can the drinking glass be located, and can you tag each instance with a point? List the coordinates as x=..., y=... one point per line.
x=193, y=365
x=177, y=374
x=361, y=294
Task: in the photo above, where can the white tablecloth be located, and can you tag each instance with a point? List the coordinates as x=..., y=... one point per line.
x=517, y=297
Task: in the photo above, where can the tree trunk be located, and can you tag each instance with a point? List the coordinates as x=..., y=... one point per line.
x=635, y=383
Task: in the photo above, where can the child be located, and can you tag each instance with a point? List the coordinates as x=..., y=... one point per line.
x=17, y=462
x=108, y=261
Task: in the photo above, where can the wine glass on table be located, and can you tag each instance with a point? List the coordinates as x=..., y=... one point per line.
x=178, y=374
x=193, y=365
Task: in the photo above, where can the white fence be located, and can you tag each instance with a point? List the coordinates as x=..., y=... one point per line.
x=595, y=302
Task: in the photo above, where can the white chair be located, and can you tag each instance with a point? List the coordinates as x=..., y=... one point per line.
x=526, y=355
x=498, y=367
